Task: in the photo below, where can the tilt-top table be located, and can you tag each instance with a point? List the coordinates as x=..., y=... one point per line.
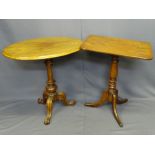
x=45, y=49
x=115, y=47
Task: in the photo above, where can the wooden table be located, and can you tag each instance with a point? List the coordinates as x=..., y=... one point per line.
x=115, y=47
x=45, y=49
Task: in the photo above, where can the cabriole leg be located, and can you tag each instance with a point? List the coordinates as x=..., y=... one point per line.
x=111, y=94
x=51, y=95
x=49, y=104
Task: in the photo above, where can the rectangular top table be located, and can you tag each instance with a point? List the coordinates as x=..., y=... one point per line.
x=115, y=47
x=119, y=47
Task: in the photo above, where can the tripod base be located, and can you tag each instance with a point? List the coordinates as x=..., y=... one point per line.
x=51, y=95
x=111, y=94
x=112, y=98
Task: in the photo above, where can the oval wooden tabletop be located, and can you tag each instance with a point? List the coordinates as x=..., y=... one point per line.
x=118, y=46
x=42, y=48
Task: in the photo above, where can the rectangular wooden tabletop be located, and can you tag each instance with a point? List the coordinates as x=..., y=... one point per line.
x=117, y=46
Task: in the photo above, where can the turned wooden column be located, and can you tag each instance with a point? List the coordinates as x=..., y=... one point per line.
x=113, y=75
x=111, y=93
x=50, y=94
x=51, y=87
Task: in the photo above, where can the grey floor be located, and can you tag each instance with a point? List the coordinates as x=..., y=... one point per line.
x=26, y=117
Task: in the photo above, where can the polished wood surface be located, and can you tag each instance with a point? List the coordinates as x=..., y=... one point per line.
x=45, y=48
x=115, y=47
x=119, y=47
x=42, y=48
x=111, y=94
x=51, y=94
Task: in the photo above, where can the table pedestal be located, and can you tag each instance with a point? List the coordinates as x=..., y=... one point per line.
x=51, y=95
x=111, y=94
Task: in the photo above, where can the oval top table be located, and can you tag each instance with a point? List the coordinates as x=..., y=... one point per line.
x=115, y=47
x=45, y=49
x=42, y=48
